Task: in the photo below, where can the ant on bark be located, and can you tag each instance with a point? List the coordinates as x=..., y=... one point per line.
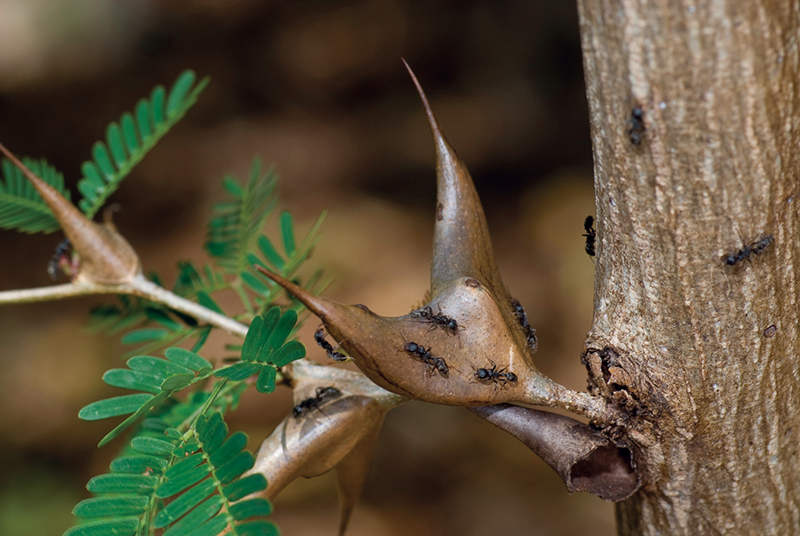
x=445, y=322
x=590, y=235
x=319, y=336
x=636, y=129
x=424, y=354
x=313, y=403
x=756, y=248
x=495, y=376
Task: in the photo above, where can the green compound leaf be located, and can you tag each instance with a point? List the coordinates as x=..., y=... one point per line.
x=244, y=487
x=125, y=146
x=144, y=335
x=21, y=206
x=193, y=484
x=177, y=483
x=152, y=446
x=254, y=340
x=213, y=526
x=191, y=281
x=178, y=382
x=287, y=233
x=188, y=359
x=257, y=528
x=266, y=380
x=238, y=371
x=196, y=517
x=122, y=483
x=160, y=377
x=144, y=408
x=251, y=508
x=270, y=253
x=138, y=465
x=265, y=342
x=179, y=90
x=252, y=281
x=212, y=432
x=235, y=444
x=184, y=503
x=132, y=379
x=158, y=368
x=180, y=482
x=114, y=527
x=208, y=302
x=122, y=505
x=112, y=407
x=291, y=351
x=232, y=469
x=282, y=329
x=270, y=258
x=237, y=223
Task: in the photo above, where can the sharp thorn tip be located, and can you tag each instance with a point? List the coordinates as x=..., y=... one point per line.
x=428, y=111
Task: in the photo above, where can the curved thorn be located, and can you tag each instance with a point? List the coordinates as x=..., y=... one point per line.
x=462, y=246
x=352, y=472
x=425, y=104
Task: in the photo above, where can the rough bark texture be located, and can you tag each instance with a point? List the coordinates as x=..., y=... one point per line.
x=700, y=356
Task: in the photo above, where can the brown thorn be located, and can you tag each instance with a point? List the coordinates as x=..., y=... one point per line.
x=315, y=304
x=428, y=111
x=105, y=256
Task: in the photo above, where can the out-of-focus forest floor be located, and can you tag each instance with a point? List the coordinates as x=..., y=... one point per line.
x=318, y=90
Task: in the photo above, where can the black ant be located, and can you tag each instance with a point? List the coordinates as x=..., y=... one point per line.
x=756, y=248
x=636, y=129
x=435, y=363
x=495, y=376
x=312, y=403
x=590, y=235
x=319, y=336
x=445, y=322
x=522, y=317
x=60, y=257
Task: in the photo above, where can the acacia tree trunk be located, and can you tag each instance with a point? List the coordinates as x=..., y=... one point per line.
x=702, y=358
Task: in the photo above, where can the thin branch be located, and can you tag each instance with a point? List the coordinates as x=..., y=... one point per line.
x=139, y=286
x=147, y=289
x=58, y=292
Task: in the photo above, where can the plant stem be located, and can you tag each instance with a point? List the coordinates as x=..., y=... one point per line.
x=147, y=289
x=139, y=286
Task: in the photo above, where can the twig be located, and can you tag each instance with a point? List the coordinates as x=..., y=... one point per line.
x=138, y=286
x=147, y=289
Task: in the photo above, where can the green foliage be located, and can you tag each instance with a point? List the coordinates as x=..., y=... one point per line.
x=265, y=349
x=173, y=327
x=181, y=473
x=159, y=378
x=266, y=290
x=129, y=140
x=237, y=224
x=235, y=236
x=192, y=282
x=182, y=483
x=21, y=206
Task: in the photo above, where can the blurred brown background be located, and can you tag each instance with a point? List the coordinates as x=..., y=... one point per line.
x=317, y=89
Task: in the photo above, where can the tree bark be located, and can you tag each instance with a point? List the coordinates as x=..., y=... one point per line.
x=699, y=352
